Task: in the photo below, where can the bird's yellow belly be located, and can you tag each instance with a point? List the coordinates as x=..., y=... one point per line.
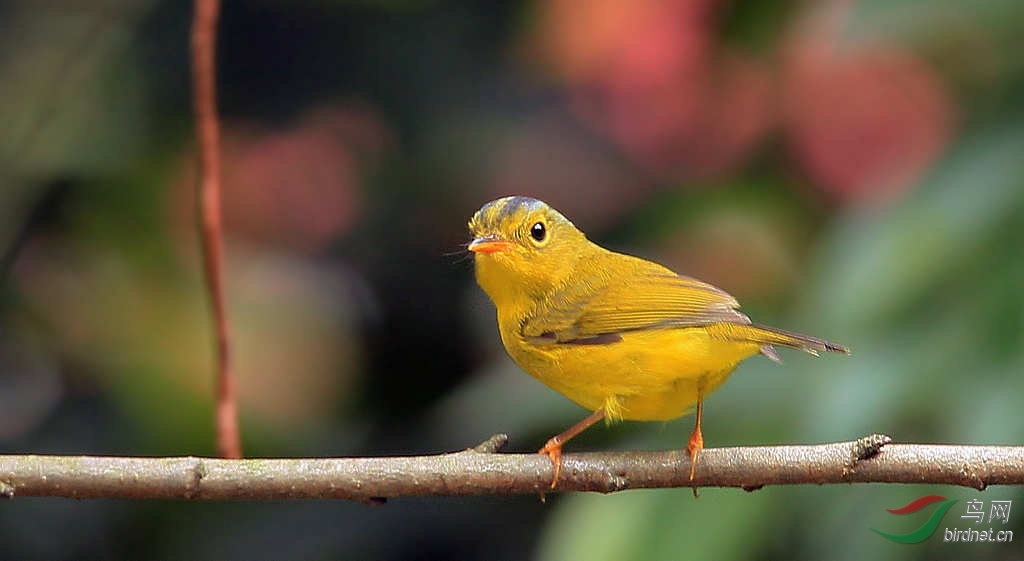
x=651, y=375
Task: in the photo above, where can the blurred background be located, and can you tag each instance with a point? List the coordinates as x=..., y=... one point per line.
x=849, y=169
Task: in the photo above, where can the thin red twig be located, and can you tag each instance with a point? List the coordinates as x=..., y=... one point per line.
x=204, y=38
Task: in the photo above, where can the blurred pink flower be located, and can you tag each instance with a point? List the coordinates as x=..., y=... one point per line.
x=299, y=187
x=649, y=75
x=863, y=121
x=638, y=42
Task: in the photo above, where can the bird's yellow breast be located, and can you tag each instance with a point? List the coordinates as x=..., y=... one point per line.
x=650, y=375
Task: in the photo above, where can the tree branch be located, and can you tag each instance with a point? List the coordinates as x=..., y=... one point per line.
x=482, y=471
x=204, y=41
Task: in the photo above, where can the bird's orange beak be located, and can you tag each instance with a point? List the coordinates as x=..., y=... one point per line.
x=488, y=244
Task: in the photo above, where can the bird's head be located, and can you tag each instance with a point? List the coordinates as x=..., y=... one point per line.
x=524, y=248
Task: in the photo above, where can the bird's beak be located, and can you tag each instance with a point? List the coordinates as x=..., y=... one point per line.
x=490, y=243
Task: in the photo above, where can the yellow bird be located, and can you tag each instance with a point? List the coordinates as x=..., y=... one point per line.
x=621, y=336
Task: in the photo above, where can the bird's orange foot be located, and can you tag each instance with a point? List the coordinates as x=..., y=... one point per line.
x=553, y=450
x=694, y=447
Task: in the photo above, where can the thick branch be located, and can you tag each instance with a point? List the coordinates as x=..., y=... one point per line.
x=479, y=471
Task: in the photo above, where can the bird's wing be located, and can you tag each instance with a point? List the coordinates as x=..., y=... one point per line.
x=647, y=297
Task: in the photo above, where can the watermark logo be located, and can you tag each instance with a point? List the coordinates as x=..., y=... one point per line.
x=998, y=511
x=926, y=529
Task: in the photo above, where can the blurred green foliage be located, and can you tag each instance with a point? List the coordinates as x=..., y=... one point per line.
x=847, y=169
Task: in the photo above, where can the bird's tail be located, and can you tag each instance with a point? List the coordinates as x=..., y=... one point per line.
x=768, y=336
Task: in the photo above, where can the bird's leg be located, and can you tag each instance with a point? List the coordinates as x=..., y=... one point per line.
x=696, y=443
x=553, y=447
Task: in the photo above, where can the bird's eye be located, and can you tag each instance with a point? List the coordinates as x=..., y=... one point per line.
x=538, y=232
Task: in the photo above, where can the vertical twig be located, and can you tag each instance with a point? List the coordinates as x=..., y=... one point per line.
x=204, y=38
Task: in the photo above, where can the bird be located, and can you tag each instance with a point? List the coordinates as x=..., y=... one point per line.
x=623, y=337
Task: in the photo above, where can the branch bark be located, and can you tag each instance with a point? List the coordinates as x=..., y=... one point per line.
x=483, y=471
x=204, y=41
